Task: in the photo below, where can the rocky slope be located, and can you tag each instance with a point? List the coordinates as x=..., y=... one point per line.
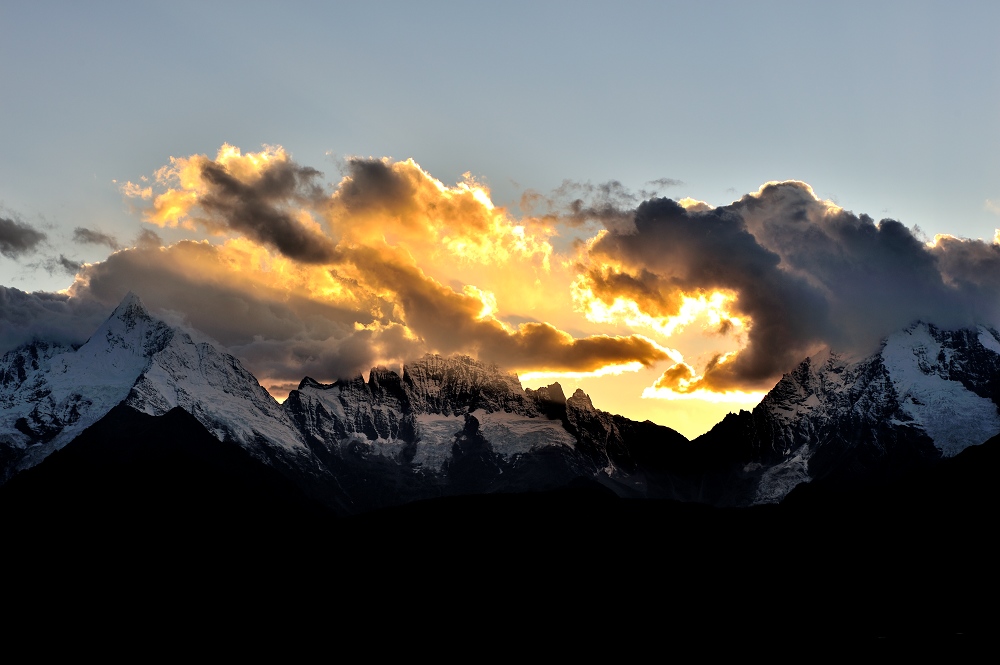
x=50, y=395
x=927, y=393
x=442, y=426
x=446, y=426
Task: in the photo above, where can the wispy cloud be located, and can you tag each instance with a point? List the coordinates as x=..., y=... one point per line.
x=90, y=237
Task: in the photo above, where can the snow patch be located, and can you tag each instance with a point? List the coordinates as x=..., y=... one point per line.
x=511, y=433
x=989, y=340
x=776, y=482
x=953, y=416
x=436, y=436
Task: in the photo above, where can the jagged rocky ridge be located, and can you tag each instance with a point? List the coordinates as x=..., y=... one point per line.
x=443, y=426
x=446, y=426
x=174, y=498
x=927, y=393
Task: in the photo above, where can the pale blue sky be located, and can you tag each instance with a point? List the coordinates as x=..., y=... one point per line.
x=891, y=109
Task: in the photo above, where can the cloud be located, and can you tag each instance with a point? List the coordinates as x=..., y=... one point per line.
x=971, y=270
x=18, y=238
x=53, y=317
x=575, y=204
x=610, y=203
x=287, y=319
x=89, y=236
x=293, y=240
x=264, y=195
x=148, y=239
x=674, y=252
x=399, y=204
x=60, y=264
x=663, y=183
x=676, y=377
x=803, y=273
x=257, y=208
x=71, y=267
x=448, y=322
x=234, y=292
x=388, y=263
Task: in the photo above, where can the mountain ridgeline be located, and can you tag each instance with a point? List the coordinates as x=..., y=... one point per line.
x=850, y=503
x=455, y=426
x=445, y=426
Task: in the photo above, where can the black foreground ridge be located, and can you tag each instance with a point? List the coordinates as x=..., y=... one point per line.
x=889, y=541
x=159, y=502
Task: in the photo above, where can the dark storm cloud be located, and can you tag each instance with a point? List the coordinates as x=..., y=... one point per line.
x=263, y=207
x=18, y=238
x=875, y=277
x=674, y=251
x=91, y=237
x=806, y=273
x=52, y=317
x=972, y=269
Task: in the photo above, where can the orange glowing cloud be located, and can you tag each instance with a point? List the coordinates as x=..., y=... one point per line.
x=449, y=321
x=389, y=263
x=262, y=195
x=400, y=204
x=400, y=263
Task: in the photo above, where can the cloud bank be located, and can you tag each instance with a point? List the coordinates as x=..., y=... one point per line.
x=802, y=273
x=299, y=276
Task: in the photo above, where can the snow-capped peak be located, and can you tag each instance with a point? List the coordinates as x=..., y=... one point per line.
x=131, y=307
x=927, y=392
x=137, y=358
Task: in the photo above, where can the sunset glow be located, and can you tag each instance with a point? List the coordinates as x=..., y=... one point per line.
x=555, y=209
x=330, y=279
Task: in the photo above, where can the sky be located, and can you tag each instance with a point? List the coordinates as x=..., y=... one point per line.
x=578, y=192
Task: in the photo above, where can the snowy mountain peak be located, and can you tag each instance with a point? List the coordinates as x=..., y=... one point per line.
x=580, y=400
x=927, y=392
x=130, y=330
x=436, y=384
x=129, y=313
x=309, y=382
x=550, y=394
x=50, y=394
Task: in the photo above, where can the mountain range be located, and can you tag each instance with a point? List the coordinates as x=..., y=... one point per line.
x=455, y=426
x=142, y=426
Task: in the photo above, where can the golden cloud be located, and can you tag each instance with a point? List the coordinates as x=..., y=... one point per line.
x=400, y=263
